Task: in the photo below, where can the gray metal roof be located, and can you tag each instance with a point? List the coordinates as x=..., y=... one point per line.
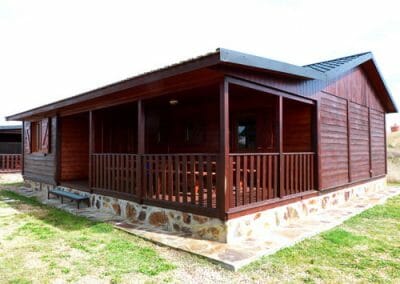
x=10, y=127
x=329, y=65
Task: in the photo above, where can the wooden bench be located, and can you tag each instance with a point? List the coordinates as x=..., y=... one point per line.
x=72, y=196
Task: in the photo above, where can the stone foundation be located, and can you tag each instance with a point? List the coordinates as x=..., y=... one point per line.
x=256, y=225
x=253, y=226
x=193, y=225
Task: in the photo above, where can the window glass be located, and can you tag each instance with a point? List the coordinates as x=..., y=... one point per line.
x=246, y=130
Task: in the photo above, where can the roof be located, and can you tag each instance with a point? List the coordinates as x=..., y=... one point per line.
x=329, y=65
x=10, y=127
x=323, y=71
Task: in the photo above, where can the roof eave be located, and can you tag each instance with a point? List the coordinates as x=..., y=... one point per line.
x=393, y=105
x=205, y=61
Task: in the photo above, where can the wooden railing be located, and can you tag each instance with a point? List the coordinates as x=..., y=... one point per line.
x=180, y=181
x=10, y=162
x=185, y=179
x=298, y=172
x=174, y=179
x=116, y=173
x=254, y=178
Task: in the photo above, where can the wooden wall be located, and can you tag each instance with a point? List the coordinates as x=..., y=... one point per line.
x=42, y=167
x=297, y=124
x=378, y=161
x=74, y=147
x=167, y=125
x=352, y=131
x=333, y=141
x=115, y=129
x=359, y=142
x=355, y=87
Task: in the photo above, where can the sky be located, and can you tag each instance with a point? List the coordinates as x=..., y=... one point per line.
x=51, y=50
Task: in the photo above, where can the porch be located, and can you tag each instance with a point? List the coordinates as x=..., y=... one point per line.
x=221, y=150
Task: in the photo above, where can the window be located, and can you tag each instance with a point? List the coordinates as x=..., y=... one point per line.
x=194, y=133
x=246, y=134
x=37, y=136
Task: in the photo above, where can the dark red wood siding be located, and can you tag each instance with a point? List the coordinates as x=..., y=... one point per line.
x=297, y=127
x=40, y=166
x=351, y=107
x=359, y=142
x=74, y=147
x=334, y=142
x=377, y=125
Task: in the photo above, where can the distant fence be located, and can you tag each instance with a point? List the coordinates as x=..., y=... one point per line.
x=10, y=163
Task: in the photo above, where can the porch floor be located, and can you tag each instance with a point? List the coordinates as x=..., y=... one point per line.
x=235, y=256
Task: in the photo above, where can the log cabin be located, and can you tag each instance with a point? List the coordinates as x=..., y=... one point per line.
x=10, y=148
x=219, y=147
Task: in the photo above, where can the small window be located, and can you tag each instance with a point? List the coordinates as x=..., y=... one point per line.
x=246, y=134
x=37, y=136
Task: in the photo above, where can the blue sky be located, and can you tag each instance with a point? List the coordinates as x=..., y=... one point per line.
x=50, y=50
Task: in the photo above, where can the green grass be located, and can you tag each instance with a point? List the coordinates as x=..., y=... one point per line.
x=66, y=246
x=42, y=244
x=366, y=248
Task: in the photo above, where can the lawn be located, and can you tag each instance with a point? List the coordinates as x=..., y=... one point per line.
x=41, y=244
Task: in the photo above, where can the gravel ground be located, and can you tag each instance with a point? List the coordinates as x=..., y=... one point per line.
x=11, y=178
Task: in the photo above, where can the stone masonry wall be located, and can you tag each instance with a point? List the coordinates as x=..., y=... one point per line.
x=193, y=225
x=258, y=224
x=250, y=226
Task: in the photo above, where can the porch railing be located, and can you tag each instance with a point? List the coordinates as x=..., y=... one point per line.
x=189, y=181
x=255, y=177
x=115, y=173
x=298, y=172
x=182, y=179
x=10, y=162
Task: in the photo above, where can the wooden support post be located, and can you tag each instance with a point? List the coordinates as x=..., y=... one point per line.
x=140, y=167
x=91, y=129
x=316, y=145
x=223, y=188
x=58, y=149
x=369, y=143
x=23, y=148
x=385, y=137
x=348, y=141
x=280, y=147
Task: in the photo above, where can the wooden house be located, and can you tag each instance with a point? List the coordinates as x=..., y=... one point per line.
x=10, y=148
x=218, y=138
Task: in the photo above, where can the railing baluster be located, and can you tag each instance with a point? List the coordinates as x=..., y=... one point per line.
x=209, y=182
x=177, y=179
x=185, y=178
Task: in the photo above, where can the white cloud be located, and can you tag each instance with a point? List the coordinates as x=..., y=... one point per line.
x=51, y=49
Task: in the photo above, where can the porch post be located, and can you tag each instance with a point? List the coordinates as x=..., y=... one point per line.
x=140, y=150
x=91, y=129
x=280, y=147
x=223, y=190
x=316, y=145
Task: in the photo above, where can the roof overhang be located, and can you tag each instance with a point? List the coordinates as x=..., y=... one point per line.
x=219, y=57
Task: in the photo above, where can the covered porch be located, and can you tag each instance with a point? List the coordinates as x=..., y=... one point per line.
x=219, y=150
